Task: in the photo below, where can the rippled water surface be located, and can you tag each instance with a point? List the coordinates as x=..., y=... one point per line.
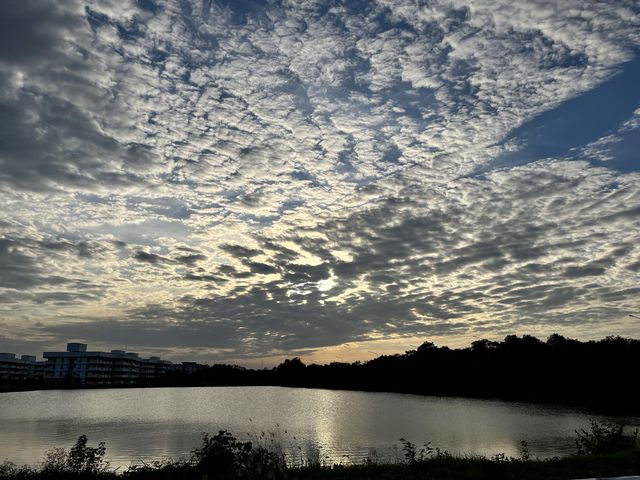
x=336, y=426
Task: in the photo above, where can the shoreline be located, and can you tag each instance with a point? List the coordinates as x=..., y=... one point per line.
x=613, y=408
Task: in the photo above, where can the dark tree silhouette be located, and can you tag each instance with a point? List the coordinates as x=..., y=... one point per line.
x=560, y=370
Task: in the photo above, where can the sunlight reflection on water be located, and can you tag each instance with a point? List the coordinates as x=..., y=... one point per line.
x=336, y=426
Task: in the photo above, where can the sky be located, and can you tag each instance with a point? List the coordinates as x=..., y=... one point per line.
x=244, y=181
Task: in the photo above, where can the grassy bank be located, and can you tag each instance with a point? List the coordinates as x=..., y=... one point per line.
x=604, y=450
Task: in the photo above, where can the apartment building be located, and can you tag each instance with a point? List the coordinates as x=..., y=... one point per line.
x=116, y=367
x=20, y=369
x=153, y=367
x=78, y=365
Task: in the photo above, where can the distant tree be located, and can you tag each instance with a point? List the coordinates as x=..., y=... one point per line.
x=291, y=365
x=426, y=346
x=556, y=339
x=483, y=346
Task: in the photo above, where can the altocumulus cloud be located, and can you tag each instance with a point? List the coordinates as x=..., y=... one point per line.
x=253, y=178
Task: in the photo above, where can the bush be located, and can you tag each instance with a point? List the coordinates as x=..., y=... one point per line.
x=223, y=456
x=604, y=438
x=55, y=461
x=81, y=459
x=11, y=470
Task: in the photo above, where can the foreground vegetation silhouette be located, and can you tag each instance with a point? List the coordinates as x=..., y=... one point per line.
x=558, y=370
x=601, y=450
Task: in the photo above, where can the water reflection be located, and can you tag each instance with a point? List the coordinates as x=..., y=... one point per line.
x=336, y=426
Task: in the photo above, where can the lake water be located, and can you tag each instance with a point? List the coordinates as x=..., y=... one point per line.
x=334, y=426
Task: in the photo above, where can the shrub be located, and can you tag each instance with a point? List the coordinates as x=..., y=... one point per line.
x=85, y=459
x=55, y=461
x=603, y=438
x=223, y=456
x=80, y=459
x=11, y=470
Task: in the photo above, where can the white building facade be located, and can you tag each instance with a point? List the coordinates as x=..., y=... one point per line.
x=78, y=366
x=116, y=367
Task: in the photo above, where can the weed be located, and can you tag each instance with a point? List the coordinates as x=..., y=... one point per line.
x=525, y=455
x=412, y=455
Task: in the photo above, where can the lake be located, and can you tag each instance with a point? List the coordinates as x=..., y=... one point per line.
x=330, y=425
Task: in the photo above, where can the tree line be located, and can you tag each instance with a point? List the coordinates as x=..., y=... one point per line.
x=600, y=373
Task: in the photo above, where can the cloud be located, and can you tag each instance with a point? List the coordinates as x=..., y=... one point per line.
x=31, y=30
x=191, y=259
x=240, y=251
x=268, y=177
x=19, y=270
x=150, y=257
